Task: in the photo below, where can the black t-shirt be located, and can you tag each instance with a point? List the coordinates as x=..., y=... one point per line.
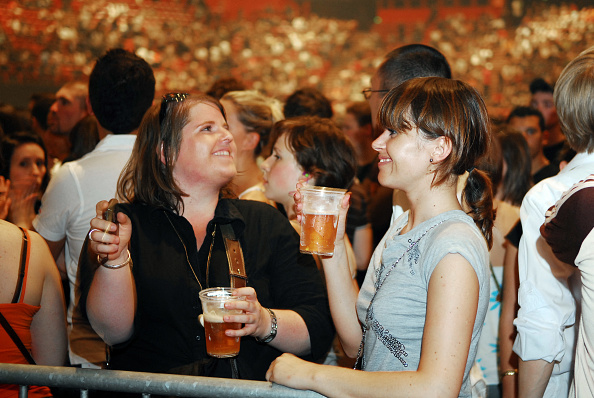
x=552, y=152
x=515, y=234
x=552, y=169
x=167, y=335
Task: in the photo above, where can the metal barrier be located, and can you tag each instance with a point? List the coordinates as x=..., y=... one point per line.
x=144, y=383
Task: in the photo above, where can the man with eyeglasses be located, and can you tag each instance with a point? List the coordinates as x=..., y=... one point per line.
x=399, y=65
x=402, y=64
x=121, y=89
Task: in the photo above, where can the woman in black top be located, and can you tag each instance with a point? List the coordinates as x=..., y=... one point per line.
x=170, y=227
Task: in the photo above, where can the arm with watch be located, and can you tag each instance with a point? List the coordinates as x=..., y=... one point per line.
x=288, y=283
x=284, y=330
x=260, y=322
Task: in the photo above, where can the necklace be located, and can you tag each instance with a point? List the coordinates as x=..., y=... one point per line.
x=379, y=283
x=186, y=250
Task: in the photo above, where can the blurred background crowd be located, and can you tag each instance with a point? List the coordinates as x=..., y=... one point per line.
x=190, y=44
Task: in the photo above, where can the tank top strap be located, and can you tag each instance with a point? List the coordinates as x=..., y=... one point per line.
x=19, y=292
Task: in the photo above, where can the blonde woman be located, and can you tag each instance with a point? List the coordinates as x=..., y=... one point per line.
x=251, y=116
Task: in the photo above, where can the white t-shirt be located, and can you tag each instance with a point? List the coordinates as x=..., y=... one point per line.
x=67, y=208
x=546, y=321
x=569, y=230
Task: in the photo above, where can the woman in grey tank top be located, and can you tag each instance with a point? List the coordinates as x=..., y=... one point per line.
x=416, y=322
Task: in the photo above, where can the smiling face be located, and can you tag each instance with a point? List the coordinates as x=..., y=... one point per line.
x=281, y=173
x=206, y=151
x=27, y=165
x=403, y=158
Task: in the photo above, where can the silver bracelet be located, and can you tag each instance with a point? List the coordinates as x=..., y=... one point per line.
x=116, y=266
x=273, y=328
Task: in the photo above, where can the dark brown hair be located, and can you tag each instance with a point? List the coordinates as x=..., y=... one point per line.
x=320, y=148
x=516, y=155
x=441, y=107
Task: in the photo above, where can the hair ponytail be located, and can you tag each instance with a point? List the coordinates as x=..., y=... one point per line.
x=478, y=197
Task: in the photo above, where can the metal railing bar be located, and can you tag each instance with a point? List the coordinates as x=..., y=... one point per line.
x=146, y=383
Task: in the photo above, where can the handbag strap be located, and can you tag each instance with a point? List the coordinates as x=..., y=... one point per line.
x=24, y=259
x=237, y=274
x=16, y=339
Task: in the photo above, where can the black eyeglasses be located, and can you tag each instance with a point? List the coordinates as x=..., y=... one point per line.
x=167, y=98
x=367, y=92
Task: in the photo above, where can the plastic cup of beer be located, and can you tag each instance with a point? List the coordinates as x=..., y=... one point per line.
x=319, y=219
x=213, y=300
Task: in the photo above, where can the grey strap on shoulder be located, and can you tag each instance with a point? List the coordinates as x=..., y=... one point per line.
x=237, y=274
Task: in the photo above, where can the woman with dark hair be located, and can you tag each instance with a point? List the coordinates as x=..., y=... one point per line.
x=172, y=228
x=314, y=149
x=426, y=292
x=310, y=147
x=510, y=175
x=516, y=179
x=23, y=178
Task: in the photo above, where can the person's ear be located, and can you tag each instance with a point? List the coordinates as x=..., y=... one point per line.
x=252, y=140
x=162, y=154
x=442, y=147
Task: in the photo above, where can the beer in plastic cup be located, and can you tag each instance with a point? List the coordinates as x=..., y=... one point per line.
x=319, y=219
x=218, y=344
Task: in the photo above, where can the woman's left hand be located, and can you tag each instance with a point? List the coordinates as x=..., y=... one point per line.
x=255, y=317
x=4, y=199
x=23, y=196
x=291, y=371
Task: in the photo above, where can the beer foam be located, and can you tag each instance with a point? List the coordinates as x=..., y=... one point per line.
x=213, y=317
x=320, y=212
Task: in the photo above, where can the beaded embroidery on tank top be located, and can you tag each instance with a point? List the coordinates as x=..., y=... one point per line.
x=390, y=342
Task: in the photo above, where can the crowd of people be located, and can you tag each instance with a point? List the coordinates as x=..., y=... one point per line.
x=190, y=46
x=453, y=301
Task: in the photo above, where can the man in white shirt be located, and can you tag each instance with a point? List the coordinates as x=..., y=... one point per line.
x=546, y=320
x=569, y=230
x=121, y=89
